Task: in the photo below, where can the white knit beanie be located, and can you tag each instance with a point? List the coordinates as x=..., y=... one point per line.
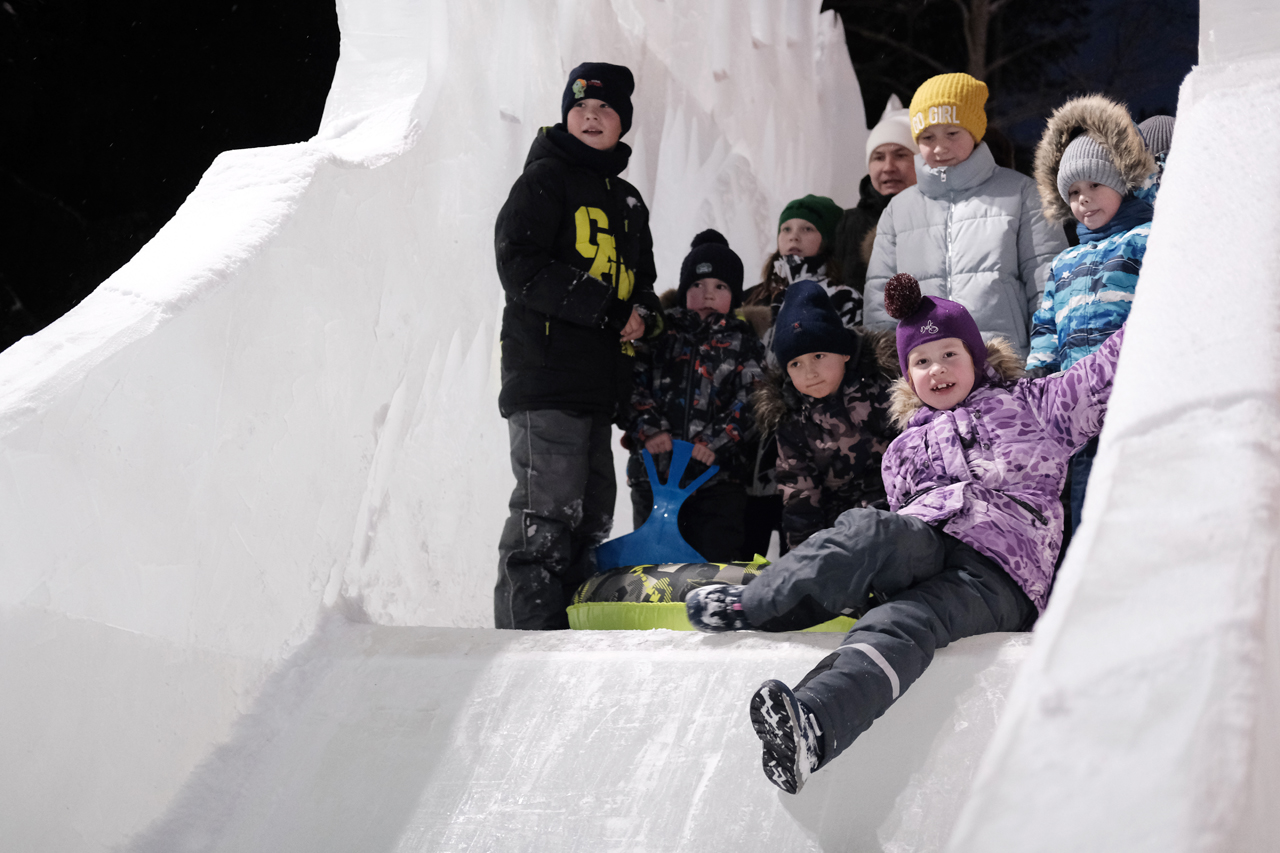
x=894, y=126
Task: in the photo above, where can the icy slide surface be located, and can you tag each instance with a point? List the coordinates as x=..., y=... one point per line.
x=250, y=490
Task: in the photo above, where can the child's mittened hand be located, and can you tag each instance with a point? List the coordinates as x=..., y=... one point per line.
x=703, y=454
x=661, y=443
x=633, y=330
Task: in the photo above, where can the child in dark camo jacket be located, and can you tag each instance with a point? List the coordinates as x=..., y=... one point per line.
x=694, y=383
x=829, y=408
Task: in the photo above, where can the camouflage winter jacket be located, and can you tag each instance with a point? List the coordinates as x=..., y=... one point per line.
x=990, y=470
x=694, y=382
x=829, y=449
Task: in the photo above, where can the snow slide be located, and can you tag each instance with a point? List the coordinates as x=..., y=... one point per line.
x=250, y=490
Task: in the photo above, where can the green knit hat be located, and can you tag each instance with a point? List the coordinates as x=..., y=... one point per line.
x=820, y=212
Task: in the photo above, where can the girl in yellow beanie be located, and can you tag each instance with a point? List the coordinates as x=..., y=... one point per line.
x=969, y=230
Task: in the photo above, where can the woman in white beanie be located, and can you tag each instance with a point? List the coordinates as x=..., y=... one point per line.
x=891, y=168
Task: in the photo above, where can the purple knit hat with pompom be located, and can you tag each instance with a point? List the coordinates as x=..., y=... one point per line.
x=922, y=319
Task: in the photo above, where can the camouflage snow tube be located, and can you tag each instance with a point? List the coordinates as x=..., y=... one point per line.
x=646, y=597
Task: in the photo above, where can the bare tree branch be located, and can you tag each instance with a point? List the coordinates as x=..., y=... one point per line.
x=923, y=57
x=1021, y=51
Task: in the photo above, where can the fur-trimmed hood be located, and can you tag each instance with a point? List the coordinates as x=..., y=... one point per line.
x=1109, y=124
x=1003, y=364
x=777, y=396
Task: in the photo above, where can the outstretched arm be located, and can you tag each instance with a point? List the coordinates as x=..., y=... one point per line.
x=1074, y=403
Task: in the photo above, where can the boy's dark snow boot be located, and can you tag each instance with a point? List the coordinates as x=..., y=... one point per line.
x=716, y=608
x=790, y=734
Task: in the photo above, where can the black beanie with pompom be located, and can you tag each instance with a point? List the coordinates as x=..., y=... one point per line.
x=711, y=257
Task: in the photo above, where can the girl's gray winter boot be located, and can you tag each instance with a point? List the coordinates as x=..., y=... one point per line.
x=790, y=734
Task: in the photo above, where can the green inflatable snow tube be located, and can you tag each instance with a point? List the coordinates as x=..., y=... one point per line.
x=641, y=598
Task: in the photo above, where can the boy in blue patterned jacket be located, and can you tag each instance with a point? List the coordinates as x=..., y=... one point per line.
x=1091, y=164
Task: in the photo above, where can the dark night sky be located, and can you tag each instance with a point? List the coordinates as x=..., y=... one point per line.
x=112, y=111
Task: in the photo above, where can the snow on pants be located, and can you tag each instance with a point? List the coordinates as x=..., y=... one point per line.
x=931, y=588
x=561, y=509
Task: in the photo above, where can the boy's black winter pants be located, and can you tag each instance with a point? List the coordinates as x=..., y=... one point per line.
x=561, y=509
x=929, y=589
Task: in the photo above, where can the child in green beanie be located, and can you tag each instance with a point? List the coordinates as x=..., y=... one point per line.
x=806, y=236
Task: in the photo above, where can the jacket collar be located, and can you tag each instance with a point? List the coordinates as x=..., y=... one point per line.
x=557, y=143
x=792, y=269
x=944, y=181
x=1132, y=213
x=870, y=199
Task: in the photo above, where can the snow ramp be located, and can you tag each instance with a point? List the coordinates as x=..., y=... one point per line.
x=250, y=490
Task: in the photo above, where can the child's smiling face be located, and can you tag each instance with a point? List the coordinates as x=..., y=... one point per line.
x=941, y=372
x=945, y=145
x=817, y=373
x=595, y=123
x=708, y=296
x=799, y=237
x=1092, y=204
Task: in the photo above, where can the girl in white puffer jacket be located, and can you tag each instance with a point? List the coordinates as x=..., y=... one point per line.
x=969, y=230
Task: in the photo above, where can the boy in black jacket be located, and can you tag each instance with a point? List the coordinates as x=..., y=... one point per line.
x=576, y=261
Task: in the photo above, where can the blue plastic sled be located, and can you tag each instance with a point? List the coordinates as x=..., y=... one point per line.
x=658, y=540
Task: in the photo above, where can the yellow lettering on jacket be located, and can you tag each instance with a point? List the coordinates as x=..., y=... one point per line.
x=598, y=244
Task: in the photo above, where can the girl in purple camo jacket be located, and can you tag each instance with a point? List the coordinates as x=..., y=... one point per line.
x=968, y=547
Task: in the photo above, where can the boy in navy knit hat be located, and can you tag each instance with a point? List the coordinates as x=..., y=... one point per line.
x=829, y=408
x=693, y=383
x=575, y=258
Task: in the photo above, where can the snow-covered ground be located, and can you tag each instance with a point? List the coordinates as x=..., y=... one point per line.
x=250, y=492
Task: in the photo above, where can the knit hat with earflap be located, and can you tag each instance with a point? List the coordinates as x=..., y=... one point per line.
x=1086, y=159
x=922, y=319
x=711, y=257
x=820, y=212
x=808, y=323
x=950, y=99
x=612, y=84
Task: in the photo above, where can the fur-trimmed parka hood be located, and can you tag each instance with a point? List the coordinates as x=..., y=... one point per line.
x=1003, y=364
x=1109, y=124
x=776, y=397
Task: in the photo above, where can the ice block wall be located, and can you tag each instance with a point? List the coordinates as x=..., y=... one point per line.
x=284, y=408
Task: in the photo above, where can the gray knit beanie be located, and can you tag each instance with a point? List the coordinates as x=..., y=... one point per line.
x=1157, y=132
x=1086, y=159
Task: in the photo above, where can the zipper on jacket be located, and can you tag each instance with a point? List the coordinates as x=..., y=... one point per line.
x=911, y=498
x=688, y=399
x=1039, y=516
x=951, y=207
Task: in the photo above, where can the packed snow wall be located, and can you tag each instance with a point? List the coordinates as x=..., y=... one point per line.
x=288, y=398
x=285, y=405
x=285, y=402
